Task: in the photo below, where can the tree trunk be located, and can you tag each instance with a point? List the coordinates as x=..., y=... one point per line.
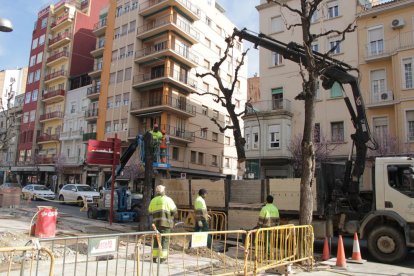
x=239, y=141
x=144, y=224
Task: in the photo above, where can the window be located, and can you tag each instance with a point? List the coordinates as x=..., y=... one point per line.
x=208, y=21
x=336, y=90
x=216, y=91
x=206, y=64
x=28, y=155
x=408, y=73
x=214, y=137
x=277, y=98
x=318, y=91
x=130, y=50
x=207, y=42
x=255, y=137
x=117, y=33
x=124, y=29
x=132, y=26
x=37, y=75
x=128, y=73
x=134, y=4
x=32, y=116
x=276, y=24
x=337, y=131
x=122, y=52
x=175, y=153
x=200, y=158
x=118, y=99
x=28, y=96
x=227, y=162
x=314, y=17
x=32, y=60
x=21, y=156
x=205, y=87
x=118, y=11
x=110, y=103
x=34, y=95
x=41, y=40
x=39, y=58
x=112, y=78
x=227, y=140
x=237, y=103
x=203, y=133
x=274, y=136
x=378, y=91
x=193, y=157
x=277, y=59
x=317, y=133
x=44, y=23
x=215, y=114
x=381, y=131
x=228, y=120
x=401, y=179
x=35, y=43
x=315, y=47
x=410, y=125
x=120, y=76
x=30, y=78
x=114, y=55
x=108, y=127
x=126, y=7
x=72, y=107
x=335, y=46
x=376, y=41
x=333, y=9
x=26, y=117
x=214, y=160
x=204, y=110
x=247, y=145
x=126, y=98
x=116, y=125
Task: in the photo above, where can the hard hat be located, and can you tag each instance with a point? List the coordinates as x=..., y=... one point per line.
x=160, y=189
x=155, y=125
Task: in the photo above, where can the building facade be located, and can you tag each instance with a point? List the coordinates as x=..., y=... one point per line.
x=146, y=75
x=59, y=61
x=278, y=119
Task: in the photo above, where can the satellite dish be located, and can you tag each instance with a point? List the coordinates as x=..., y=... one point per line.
x=366, y=4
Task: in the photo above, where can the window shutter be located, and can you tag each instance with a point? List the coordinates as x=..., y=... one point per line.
x=276, y=91
x=375, y=34
x=336, y=90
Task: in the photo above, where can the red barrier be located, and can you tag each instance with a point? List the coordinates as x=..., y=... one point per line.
x=46, y=222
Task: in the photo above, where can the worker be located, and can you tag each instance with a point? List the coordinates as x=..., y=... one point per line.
x=163, y=209
x=165, y=140
x=269, y=214
x=201, y=214
x=156, y=139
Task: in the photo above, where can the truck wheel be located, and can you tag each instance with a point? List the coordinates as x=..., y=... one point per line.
x=387, y=244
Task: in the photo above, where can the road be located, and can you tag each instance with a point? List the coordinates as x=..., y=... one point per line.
x=67, y=209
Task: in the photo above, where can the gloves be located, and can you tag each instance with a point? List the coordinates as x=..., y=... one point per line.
x=200, y=223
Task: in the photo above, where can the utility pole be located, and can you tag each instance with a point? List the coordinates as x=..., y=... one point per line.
x=148, y=173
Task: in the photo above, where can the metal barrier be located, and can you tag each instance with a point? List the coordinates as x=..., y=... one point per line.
x=218, y=220
x=26, y=260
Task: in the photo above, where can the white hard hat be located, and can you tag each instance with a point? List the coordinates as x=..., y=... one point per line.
x=160, y=189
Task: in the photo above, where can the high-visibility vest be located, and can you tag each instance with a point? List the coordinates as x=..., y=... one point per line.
x=156, y=135
x=200, y=209
x=162, y=209
x=269, y=216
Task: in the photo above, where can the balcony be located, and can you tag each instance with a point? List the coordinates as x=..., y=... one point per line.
x=173, y=133
x=71, y=135
x=93, y=92
x=175, y=77
x=60, y=40
x=380, y=49
x=56, y=115
x=166, y=103
x=182, y=54
x=97, y=70
x=89, y=136
x=58, y=75
x=64, y=3
x=100, y=27
x=53, y=96
x=280, y=105
x=45, y=160
x=61, y=21
x=57, y=57
x=168, y=23
x=185, y=6
x=385, y=98
x=47, y=138
x=91, y=114
x=98, y=52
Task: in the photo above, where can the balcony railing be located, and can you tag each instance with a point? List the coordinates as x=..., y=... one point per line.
x=174, y=74
x=381, y=97
x=70, y=2
x=72, y=133
x=160, y=47
x=170, y=19
x=57, y=55
x=60, y=37
x=60, y=20
x=178, y=132
x=98, y=66
x=51, y=115
x=180, y=104
x=55, y=75
x=88, y=136
x=96, y=89
x=266, y=106
x=51, y=94
x=45, y=160
x=93, y=112
x=384, y=48
x=186, y=3
x=47, y=138
x=100, y=24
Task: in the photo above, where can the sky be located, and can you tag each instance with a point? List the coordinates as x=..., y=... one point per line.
x=15, y=46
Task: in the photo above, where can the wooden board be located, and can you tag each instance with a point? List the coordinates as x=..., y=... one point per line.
x=178, y=190
x=242, y=219
x=215, y=192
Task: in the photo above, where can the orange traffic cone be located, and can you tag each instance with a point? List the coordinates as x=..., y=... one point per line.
x=340, y=257
x=356, y=252
x=325, y=254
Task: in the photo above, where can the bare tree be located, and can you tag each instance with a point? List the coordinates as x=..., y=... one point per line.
x=323, y=149
x=386, y=145
x=310, y=71
x=134, y=169
x=226, y=99
x=8, y=118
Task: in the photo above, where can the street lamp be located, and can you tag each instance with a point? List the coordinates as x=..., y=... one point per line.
x=5, y=25
x=249, y=105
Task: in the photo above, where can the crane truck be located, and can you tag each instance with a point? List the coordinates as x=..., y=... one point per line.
x=383, y=216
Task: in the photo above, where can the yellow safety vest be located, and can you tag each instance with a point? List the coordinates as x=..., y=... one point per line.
x=162, y=209
x=200, y=209
x=269, y=216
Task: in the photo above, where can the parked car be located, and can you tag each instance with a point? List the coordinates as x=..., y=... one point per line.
x=72, y=192
x=37, y=191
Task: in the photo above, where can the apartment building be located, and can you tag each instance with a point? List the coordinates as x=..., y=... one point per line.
x=278, y=118
x=59, y=61
x=386, y=58
x=148, y=76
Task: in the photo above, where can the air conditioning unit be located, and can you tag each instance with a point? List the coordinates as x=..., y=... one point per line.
x=384, y=96
x=397, y=23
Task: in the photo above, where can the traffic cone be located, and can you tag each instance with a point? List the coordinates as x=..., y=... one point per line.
x=356, y=252
x=340, y=257
x=326, y=254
